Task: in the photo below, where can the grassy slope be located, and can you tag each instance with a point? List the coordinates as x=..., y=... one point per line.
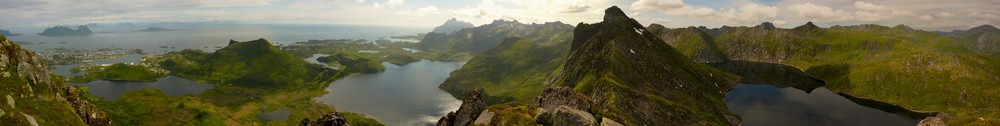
x=37, y=98
x=354, y=63
x=515, y=69
x=511, y=72
x=915, y=69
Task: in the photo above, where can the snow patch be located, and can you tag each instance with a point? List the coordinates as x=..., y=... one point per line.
x=630, y=50
x=637, y=30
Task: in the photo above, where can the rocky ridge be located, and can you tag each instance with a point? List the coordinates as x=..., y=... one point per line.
x=34, y=97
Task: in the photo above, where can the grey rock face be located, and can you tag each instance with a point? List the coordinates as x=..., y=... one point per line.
x=471, y=107
x=562, y=96
x=567, y=116
x=330, y=119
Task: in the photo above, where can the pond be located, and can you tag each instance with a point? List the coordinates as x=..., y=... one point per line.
x=170, y=85
x=402, y=95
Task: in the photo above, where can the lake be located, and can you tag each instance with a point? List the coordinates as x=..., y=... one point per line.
x=170, y=85
x=401, y=96
x=767, y=105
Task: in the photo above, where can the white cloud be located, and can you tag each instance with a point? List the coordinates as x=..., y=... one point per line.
x=926, y=18
x=423, y=11
x=819, y=13
x=312, y=5
x=865, y=6
x=389, y=3
x=779, y=23
x=945, y=15
x=749, y=14
x=232, y=3
x=657, y=4
x=868, y=12
x=979, y=15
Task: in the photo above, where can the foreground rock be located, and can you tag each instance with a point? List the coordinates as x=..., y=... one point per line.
x=470, y=110
x=34, y=97
x=330, y=119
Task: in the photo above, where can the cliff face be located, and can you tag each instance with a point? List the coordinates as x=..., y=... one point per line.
x=33, y=97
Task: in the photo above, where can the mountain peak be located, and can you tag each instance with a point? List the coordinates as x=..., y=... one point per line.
x=766, y=26
x=613, y=13
x=452, y=25
x=983, y=27
x=617, y=62
x=807, y=26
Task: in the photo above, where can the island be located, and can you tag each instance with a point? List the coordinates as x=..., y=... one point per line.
x=154, y=29
x=66, y=31
x=8, y=33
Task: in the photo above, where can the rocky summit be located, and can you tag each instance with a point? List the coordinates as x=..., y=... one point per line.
x=618, y=73
x=635, y=78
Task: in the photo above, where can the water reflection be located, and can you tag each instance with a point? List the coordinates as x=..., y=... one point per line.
x=170, y=85
x=402, y=95
x=766, y=105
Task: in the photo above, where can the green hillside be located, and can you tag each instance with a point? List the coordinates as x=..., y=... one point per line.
x=254, y=63
x=918, y=70
x=513, y=71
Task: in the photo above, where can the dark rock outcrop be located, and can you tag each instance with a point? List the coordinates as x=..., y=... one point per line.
x=807, y=26
x=470, y=110
x=566, y=116
x=766, y=26
x=330, y=119
x=562, y=96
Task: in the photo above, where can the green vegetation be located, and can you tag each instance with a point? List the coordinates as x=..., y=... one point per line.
x=251, y=77
x=353, y=63
x=251, y=64
x=117, y=72
x=482, y=38
x=514, y=71
x=360, y=120
x=381, y=50
x=30, y=91
x=918, y=70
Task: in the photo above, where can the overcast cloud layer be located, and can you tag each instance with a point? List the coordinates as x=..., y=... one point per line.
x=920, y=14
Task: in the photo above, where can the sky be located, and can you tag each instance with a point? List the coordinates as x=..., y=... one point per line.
x=929, y=15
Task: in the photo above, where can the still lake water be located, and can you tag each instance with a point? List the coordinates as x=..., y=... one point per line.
x=401, y=96
x=170, y=85
x=766, y=105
